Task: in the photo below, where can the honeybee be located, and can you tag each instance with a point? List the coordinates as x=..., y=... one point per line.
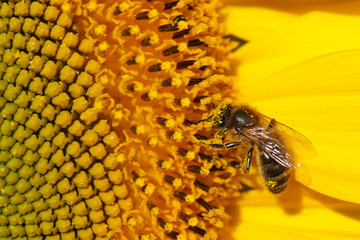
x=276, y=145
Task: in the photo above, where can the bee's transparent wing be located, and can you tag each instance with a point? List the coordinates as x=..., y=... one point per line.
x=282, y=143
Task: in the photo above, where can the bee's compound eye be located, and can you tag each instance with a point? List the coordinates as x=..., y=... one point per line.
x=243, y=118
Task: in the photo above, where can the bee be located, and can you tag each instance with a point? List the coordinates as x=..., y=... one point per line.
x=275, y=144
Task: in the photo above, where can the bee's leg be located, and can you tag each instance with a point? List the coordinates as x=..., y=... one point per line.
x=232, y=144
x=216, y=146
x=233, y=38
x=223, y=146
x=195, y=122
x=217, y=135
x=249, y=157
x=220, y=133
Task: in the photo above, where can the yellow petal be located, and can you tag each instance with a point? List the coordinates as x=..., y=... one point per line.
x=320, y=98
x=312, y=35
x=252, y=23
x=297, y=214
x=301, y=6
x=252, y=20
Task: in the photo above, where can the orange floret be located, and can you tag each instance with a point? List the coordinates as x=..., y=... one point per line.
x=99, y=101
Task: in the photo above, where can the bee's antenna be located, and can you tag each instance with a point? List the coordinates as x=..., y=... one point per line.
x=240, y=42
x=196, y=122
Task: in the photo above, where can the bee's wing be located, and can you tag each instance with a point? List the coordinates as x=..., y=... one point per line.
x=280, y=142
x=271, y=145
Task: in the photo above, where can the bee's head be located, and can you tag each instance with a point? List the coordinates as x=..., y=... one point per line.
x=242, y=118
x=221, y=116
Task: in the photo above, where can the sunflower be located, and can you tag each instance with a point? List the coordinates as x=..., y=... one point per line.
x=99, y=104
x=105, y=109
x=301, y=67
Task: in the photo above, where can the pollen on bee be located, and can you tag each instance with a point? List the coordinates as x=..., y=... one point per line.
x=271, y=184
